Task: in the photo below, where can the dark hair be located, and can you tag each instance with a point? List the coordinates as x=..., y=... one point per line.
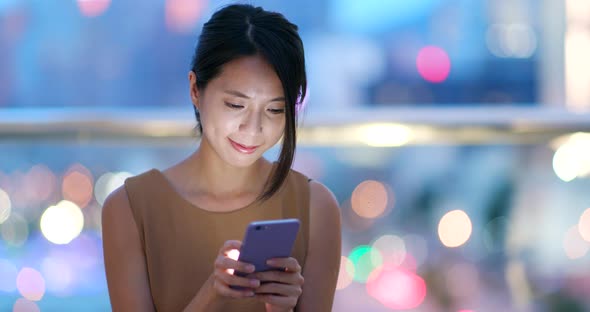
x=240, y=30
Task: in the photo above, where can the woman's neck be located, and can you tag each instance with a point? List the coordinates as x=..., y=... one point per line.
x=204, y=172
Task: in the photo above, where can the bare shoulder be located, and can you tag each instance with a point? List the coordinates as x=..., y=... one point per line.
x=116, y=209
x=323, y=254
x=323, y=203
x=124, y=260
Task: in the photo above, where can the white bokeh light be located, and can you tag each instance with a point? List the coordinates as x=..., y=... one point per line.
x=61, y=223
x=5, y=206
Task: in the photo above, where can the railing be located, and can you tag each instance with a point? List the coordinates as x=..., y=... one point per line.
x=476, y=125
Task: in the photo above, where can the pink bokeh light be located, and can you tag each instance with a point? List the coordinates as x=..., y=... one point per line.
x=396, y=287
x=434, y=64
x=93, y=8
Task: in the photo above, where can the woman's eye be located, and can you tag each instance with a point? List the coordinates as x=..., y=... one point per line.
x=235, y=106
x=276, y=110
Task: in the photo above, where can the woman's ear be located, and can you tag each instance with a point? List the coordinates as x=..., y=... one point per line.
x=194, y=91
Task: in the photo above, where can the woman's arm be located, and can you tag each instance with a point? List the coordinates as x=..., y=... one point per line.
x=126, y=270
x=124, y=259
x=323, y=254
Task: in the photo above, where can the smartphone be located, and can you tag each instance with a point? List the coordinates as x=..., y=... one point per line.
x=268, y=239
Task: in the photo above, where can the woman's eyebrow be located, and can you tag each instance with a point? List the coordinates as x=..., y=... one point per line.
x=242, y=95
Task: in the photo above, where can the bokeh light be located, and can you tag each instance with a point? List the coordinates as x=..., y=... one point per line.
x=61, y=223
x=5, y=206
x=15, y=230
x=577, y=66
x=77, y=185
x=384, y=134
x=396, y=287
x=454, y=228
x=574, y=245
x=365, y=259
x=346, y=273
x=434, y=64
x=24, y=305
x=31, y=284
x=584, y=225
x=572, y=158
x=183, y=15
x=8, y=273
x=392, y=249
x=107, y=183
x=93, y=8
x=511, y=40
x=369, y=199
x=41, y=183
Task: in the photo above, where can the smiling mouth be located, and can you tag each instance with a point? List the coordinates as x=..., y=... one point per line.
x=243, y=148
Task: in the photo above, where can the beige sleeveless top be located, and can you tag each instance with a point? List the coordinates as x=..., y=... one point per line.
x=181, y=241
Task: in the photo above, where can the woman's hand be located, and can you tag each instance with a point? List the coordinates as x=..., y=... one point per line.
x=224, y=277
x=280, y=289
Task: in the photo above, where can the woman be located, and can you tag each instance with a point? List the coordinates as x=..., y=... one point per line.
x=167, y=234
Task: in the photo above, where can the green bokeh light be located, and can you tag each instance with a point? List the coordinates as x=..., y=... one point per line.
x=365, y=260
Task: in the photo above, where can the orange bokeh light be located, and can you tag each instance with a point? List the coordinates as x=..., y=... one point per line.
x=369, y=199
x=77, y=185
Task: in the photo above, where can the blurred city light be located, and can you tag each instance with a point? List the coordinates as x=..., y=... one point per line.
x=107, y=183
x=574, y=245
x=41, y=182
x=5, y=206
x=15, y=230
x=384, y=134
x=572, y=158
x=396, y=287
x=517, y=281
x=511, y=40
x=24, y=305
x=365, y=260
x=183, y=15
x=454, y=228
x=577, y=66
x=93, y=8
x=369, y=199
x=578, y=11
x=434, y=64
x=61, y=223
x=584, y=225
x=31, y=284
x=392, y=249
x=77, y=185
x=345, y=274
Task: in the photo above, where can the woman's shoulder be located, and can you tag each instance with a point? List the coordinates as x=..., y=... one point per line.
x=321, y=198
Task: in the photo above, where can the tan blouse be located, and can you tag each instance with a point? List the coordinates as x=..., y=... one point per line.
x=181, y=241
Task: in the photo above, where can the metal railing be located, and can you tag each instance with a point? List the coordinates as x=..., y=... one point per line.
x=350, y=127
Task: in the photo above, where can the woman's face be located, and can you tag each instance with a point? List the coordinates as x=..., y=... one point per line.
x=242, y=110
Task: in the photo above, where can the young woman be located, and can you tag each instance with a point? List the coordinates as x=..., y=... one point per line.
x=167, y=234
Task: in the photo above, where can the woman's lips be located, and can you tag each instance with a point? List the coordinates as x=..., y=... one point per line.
x=243, y=148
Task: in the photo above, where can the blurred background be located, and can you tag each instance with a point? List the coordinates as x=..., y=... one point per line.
x=454, y=133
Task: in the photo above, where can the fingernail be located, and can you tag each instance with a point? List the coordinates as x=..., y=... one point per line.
x=254, y=283
x=250, y=268
x=271, y=262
